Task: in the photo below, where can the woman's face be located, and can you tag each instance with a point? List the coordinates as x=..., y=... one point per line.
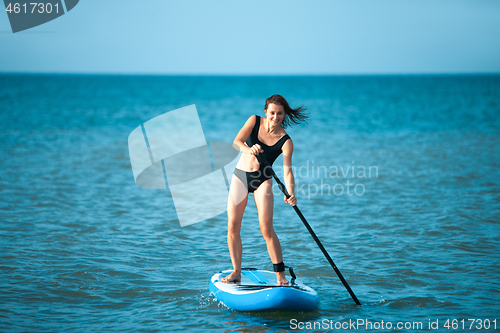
x=275, y=114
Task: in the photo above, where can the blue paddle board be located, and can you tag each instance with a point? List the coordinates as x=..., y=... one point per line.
x=258, y=291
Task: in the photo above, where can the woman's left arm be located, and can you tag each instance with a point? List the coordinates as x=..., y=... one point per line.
x=287, y=171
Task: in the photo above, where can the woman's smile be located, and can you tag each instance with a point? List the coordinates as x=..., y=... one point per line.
x=275, y=114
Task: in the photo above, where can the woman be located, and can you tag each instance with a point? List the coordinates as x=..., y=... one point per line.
x=264, y=136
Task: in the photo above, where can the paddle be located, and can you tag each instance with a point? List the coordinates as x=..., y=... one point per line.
x=285, y=192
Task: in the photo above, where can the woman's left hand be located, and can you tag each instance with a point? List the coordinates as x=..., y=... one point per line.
x=292, y=200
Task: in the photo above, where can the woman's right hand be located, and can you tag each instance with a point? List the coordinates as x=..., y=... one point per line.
x=256, y=149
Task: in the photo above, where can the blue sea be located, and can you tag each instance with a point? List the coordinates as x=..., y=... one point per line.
x=399, y=176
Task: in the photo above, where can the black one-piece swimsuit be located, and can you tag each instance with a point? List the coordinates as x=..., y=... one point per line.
x=252, y=180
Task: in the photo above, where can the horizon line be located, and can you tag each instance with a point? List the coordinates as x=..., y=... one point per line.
x=252, y=75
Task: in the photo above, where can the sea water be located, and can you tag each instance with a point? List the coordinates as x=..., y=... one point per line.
x=399, y=176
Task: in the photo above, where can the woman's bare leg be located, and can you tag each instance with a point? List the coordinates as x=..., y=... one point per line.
x=264, y=201
x=237, y=201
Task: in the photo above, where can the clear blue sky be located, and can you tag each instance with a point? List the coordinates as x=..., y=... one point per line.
x=260, y=37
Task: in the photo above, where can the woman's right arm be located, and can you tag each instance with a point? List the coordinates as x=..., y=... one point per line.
x=243, y=135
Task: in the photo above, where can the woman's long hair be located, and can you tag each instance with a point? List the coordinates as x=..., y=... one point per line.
x=295, y=116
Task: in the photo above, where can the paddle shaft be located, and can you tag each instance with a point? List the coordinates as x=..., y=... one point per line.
x=313, y=234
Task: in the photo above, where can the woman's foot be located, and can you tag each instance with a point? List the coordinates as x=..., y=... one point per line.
x=281, y=280
x=235, y=276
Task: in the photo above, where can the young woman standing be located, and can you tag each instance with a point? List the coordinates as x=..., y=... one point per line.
x=264, y=136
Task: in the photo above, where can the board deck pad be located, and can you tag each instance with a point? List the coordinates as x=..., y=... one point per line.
x=258, y=290
x=255, y=279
